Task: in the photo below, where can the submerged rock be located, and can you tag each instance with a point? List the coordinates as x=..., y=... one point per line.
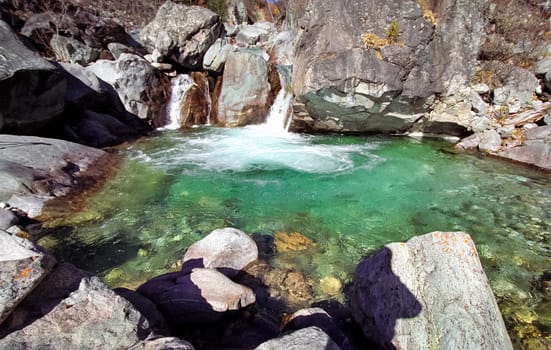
x=428, y=292
x=228, y=250
x=31, y=91
x=23, y=265
x=311, y=338
x=92, y=317
x=293, y=241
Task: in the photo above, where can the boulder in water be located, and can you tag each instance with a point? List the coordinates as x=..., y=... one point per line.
x=311, y=338
x=428, y=292
x=228, y=250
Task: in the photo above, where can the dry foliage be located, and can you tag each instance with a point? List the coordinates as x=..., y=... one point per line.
x=428, y=14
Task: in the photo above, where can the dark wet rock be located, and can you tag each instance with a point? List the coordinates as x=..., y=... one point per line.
x=147, y=308
x=228, y=250
x=311, y=338
x=349, y=87
x=35, y=169
x=92, y=317
x=23, y=265
x=101, y=130
x=182, y=33
x=195, y=104
x=202, y=296
x=143, y=89
x=73, y=51
x=317, y=317
x=428, y=292
x=64, y=279
x=31, y=89
x=246, y=94
x=166, y=343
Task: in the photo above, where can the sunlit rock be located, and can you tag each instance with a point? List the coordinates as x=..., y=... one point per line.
x=227, y=249
x=428, y=292
x=293, y=241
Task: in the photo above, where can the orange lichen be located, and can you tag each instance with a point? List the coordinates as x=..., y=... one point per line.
x=25, y=273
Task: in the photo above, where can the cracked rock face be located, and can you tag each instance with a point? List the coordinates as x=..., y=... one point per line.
x=347, y=86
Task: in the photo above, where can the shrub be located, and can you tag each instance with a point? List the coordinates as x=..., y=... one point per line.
x=393, y=32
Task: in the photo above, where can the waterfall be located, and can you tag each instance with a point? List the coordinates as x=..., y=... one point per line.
x=279, y=116
x=180, y=86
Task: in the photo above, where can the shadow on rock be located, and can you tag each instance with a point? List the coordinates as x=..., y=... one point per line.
x=380, y=299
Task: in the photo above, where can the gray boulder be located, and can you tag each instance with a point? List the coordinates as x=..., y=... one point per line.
x=143, y=89
x=246, y=94
x=260, y=33
x=182, y=33
x=351, y=86
x=216, y=55
x=228, y=250
x=490, y=141
x=92, y=317
x=22, y=266
x=518, y=90
x=73, y=51
x=62, y=281
x=311, y=338
x=7, y=219
x=31, y=89
x=430, y=292
x=35, y=169
x=543, y=66
x=202, y=296
x=536, y=153
x=165, y=343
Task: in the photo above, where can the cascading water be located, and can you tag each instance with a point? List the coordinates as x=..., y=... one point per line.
x=180, y=86
x=278, y=119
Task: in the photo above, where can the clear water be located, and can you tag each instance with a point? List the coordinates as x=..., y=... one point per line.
x=351, y=195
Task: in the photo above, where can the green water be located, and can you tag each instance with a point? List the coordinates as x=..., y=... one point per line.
x=351, y=195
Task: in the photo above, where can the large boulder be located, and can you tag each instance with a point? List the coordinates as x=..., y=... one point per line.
x=190, y=102
x=246, y=94
x=22, y=266
x=36, y=169
x=143, y=89
x=518, y=91
x=92, y=317
x=430, y=292
x=62, y=281
x=536, y=153
x=31, y=88
x=351, y=78
x=182, y=33
x=311, y=338
x=227, y=249
x=202, y=296
x=71, y=50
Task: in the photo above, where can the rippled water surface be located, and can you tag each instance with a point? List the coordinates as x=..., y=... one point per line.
x=351, y=195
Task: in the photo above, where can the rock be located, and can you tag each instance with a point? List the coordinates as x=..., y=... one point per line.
x=91, y=317
x=547, y=80
x=22, y=266
x=481, y=88
x=330, y=285
x=259, y=33
x=518, y=90
x=117, y=49
x=194, y=105
x=246, y=94
x=536, y=154
x=216, y=55
x=72, y=51
x=31, y=89
x=228, y=250
x=490, y=141
x=182, y=33
x=542, y=133
x=481, y=124
x=430, y=292
x=43, y=168
x=347, y=86
x=166, y=343
x=543, y=66
x=7, y=219
x=147, y=308
x=64, y=279
x=478, y=105
x=446, y=119
x=143, y=89
x=102, y=130
x=283, y=50
x=317, y=317
x=202, y=296
x=293, y=241
x=311, y=338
